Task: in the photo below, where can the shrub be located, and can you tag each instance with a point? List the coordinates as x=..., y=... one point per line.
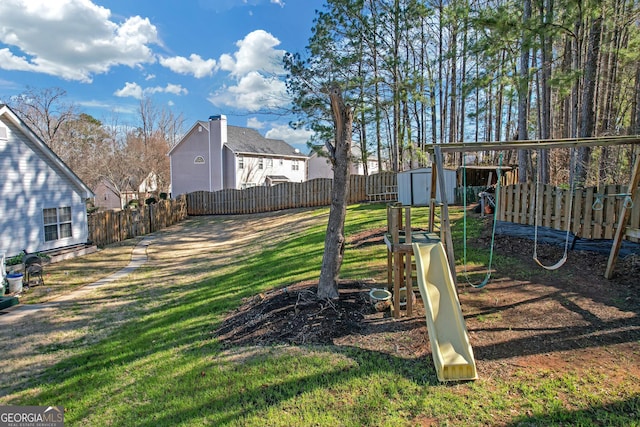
x=150, y=200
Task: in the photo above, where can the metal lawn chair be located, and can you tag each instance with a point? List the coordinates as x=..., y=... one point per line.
x=32, y=268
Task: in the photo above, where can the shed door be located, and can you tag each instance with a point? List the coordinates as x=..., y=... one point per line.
x=420, y=188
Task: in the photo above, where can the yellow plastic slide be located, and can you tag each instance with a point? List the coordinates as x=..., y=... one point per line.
x=452, y=353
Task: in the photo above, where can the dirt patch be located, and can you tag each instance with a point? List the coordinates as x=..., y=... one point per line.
x=526, y=317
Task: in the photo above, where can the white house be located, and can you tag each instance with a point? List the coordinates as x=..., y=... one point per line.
x=214, y=156
x=42, y=202
x=320, y=166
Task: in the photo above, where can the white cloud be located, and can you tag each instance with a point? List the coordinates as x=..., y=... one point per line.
x=194, y=65
x=254, y=123
x=258, y=72
x=80, y=40
x=118, y=107
x=252, y=92
x=295, y=137
x=278, y=2
x=255, y=53
x=134, y=90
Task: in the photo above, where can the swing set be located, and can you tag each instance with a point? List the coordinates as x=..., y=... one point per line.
x=437, y=151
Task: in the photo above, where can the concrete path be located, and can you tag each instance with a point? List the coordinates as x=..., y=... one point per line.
x=138, y=258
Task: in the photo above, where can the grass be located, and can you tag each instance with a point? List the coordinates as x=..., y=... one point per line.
x=63, y=277
x=161, y=364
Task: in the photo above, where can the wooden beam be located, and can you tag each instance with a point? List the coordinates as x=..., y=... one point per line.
x=444, y=213
x=623, y=219
x=432, y=198
x=534, y=144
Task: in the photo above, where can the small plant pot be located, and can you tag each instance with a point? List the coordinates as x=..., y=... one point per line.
x=377, y=295
x=380, y=298
x=403, y=297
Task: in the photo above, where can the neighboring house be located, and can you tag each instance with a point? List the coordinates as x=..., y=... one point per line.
x=320, y=166
x=213, y=156
x=149, y=184
x=106, y=195
x=42, y=202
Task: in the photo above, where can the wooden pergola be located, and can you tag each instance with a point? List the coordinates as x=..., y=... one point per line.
x=540, y=144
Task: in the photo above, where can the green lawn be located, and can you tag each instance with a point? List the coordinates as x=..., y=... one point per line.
x=162, y=365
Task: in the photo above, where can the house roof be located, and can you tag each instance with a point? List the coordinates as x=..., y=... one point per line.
x=249, y=141
x=45, y=150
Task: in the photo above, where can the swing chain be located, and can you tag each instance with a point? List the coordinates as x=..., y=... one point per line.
x=597, y=204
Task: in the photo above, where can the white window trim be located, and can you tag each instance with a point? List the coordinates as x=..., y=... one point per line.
x=58, y=224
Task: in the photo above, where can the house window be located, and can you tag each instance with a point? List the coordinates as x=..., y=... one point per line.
x=269, y=163
x=295, y=165
x=240, y=162
x=199, y=160
x=260, y=163
x=57, y=223
x=3, y=132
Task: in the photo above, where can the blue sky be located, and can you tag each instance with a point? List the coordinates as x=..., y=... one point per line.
x=197, y=57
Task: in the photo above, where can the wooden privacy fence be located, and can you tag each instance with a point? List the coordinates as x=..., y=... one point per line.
x=108, y=227
x=594, y=216
x=288, y=195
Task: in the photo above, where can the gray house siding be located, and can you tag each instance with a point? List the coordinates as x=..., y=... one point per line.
x=193, y=176
x=31, y=182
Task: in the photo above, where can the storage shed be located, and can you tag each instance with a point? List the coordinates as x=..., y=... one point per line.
x=414, y=186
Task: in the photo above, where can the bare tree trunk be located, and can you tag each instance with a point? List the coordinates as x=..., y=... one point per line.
x=523, y=92
x=587, y=110
x=341, y=159
x=546, y=16
x=635, y=117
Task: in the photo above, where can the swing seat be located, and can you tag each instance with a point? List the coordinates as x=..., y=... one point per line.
x=555, y=266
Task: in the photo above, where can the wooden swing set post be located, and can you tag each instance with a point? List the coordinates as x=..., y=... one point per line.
x=623, y=218
x=399, y=253
x=444, y=212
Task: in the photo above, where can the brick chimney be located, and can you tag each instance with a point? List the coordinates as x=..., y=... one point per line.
x=217, y=139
